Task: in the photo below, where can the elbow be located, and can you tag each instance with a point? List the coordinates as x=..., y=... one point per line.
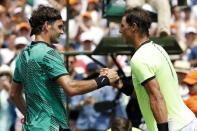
x=156, y=99
x=71, y=89
x=70, y=93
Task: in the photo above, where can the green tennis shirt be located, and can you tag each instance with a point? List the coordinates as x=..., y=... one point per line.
x=151, y=61
x=37, y=68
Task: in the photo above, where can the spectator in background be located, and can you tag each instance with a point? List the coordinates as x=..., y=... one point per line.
x=86, y=25
x=190, y=53
x=17, y=16
x=74, y=23
x=176, y=25
x=93, y=9
x=87, y=41
x=7, y=118
x=163, y=10
x=86, y=45
x=27, y=9
x=89, y=119
x=23, y=29
x=189, y=20
x=20, y=43
x=191, y=40
x=9, y=51
x=191, y=81
x=4, y=19
x=182, y=68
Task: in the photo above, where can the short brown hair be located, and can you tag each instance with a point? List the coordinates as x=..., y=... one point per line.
x=140, y=17
x=41, y=15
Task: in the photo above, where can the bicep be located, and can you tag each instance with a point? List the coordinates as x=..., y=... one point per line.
x=74, y=87
x=143, y=70
x=64, y=81
x=152, y=88
x=53, y=64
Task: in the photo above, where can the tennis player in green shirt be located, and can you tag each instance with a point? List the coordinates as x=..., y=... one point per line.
x=154, y=78
x=41, y=74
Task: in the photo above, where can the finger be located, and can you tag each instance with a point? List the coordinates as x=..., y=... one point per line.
x=103, y=73
x=104, y=69
x=114, y=70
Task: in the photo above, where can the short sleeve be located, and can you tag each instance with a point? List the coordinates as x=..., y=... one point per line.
x=54, y=64
x=143, y=70
x=17, y=77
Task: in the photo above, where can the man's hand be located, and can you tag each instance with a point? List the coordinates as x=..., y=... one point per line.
x=111, y=74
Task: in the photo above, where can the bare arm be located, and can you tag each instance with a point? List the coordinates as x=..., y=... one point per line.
x=157, y=102
x=17, y=97
x=76, y=87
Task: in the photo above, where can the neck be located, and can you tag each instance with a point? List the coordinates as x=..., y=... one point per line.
x=138, y=40
x=42, y=37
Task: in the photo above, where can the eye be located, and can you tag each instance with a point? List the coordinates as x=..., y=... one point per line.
x=122, y=25
x=61, y=27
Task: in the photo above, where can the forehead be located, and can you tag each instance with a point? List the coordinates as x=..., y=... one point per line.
x=123, y=21
x=59, y=22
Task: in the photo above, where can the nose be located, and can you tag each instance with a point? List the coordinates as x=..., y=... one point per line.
x=120, y=31
x=61, y=31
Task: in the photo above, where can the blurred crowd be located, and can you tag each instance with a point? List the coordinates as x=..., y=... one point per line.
x=86, y=28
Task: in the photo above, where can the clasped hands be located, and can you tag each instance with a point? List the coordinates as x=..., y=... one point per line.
x=113, y=77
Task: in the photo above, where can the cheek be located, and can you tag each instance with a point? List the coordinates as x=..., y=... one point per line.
x=123, y=30
x=53, y=35
x=54, y=32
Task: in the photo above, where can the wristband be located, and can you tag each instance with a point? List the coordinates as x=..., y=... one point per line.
x=163, y=126
x=102, y=81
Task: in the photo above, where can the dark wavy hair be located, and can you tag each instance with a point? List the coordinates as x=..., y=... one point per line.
x=40, y=16
x=140, y=17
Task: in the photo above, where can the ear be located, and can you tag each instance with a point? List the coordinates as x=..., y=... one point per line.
x=46, y=26
x=135, y=27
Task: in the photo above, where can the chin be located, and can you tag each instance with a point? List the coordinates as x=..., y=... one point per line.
x=128, y=41
x=55, y=41
x=125, y=38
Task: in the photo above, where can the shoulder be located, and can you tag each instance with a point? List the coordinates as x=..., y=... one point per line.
x=145, y=50
x=43, y=50
x=53, y=54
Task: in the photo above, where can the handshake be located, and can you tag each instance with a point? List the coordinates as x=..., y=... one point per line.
x=108, y=77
